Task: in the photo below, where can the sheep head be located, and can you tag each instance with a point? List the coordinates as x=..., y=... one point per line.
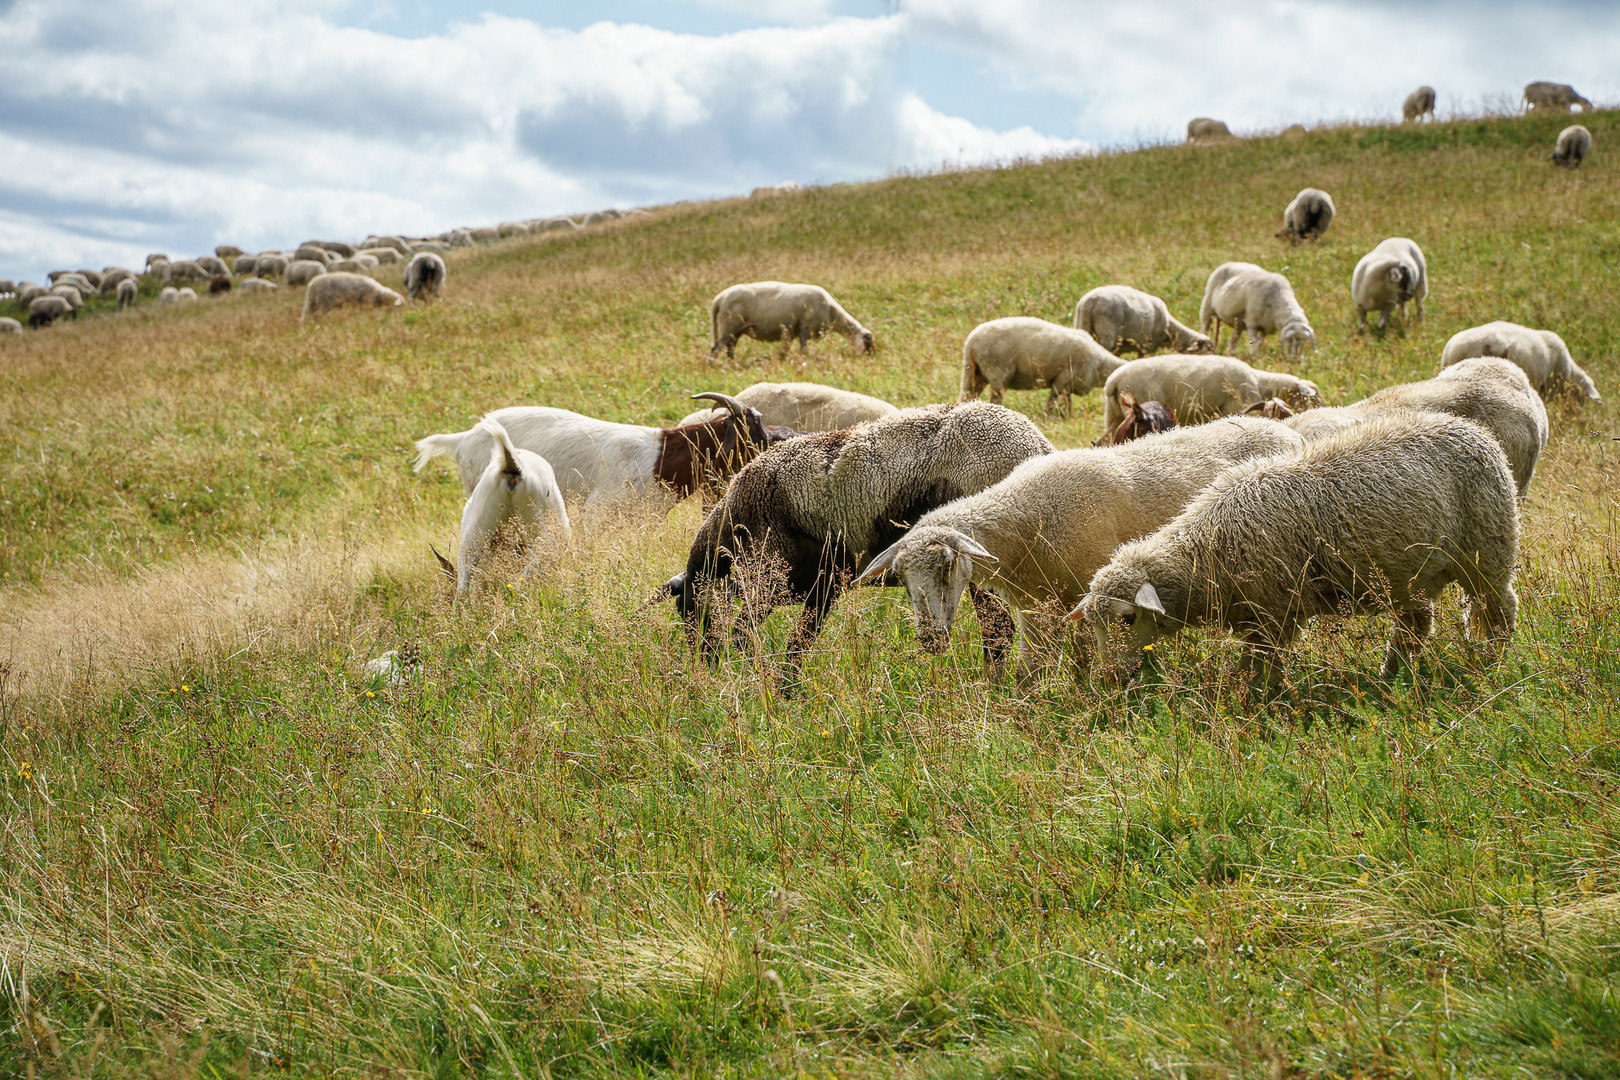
x=1142, y=418
x=1295, y=337
x=1123, y=628
x=935, y=563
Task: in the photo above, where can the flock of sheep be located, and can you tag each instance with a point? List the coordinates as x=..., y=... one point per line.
x=334, y=274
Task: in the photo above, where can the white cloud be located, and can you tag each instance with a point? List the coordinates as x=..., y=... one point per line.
x=179, y=126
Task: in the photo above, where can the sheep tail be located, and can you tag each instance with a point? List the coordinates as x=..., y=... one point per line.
x=436, y=446
x=504, y=453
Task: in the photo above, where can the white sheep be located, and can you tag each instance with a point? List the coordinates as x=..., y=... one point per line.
x=155, y=263
x=27, y=291
x=513, y=504
x=1120, y=317
x=213, y=264
x=111, y=277
x=44, y=310
x=169, y=296
x=183, y=270
x=397, y=243
x=1202, y=388
x=1387, y=277
x=9, y=325
x=304, y=271
x=780, y=311
x=7, y=287
x=803, y=406
x=244, y=264
x=1540, y=354
x=1574, y=143
x=385, y=256
x=256, y=286
x=1038, y=536
x=1203, y=129
x=1418, y=104
x=268, y=266
x=424, y=276
x=228, y=252
x=485, y=235
x=127, y=291
x=1553, y=97
x=1382, y=516
x=313, y=252
x=1022, y=353
x=1307, y=216
x=1245, y=296
x=187, y=295
x=70, y=293
x=333, y=290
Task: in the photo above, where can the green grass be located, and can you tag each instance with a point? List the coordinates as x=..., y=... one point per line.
x=569, y=848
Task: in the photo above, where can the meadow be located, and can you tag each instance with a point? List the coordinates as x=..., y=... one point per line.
x=564, y=846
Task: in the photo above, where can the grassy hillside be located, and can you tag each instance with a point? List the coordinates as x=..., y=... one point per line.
x=566, y=847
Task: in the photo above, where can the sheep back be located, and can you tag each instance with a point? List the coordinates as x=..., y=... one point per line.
x=1120, y=317
x=1540, y=354
x=804, y=406
x=1022, y=353
x=330, y=291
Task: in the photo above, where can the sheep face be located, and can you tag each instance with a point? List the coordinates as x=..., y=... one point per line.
x=1295, y=338
x=935, y=564
x=1197, y=345
x=1124, y=629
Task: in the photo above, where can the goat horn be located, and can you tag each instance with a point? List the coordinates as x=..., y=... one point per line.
x=735, y=407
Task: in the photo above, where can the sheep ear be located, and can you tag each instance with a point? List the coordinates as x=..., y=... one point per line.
x=1147, y=598
x=446, y=567
x=966, y=545
x=880, y=565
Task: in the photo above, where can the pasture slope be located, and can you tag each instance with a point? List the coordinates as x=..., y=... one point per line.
x=565, y=848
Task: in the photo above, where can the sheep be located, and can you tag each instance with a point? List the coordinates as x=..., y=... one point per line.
x=1037, y=537
x=333, y=247
x=228, y=251
x=184, y=270
x=113, y=277
x=169, y=296
x=510, y=507
x=1201, y=388
x=1242, y=295
x=27, y=291
x=256, y=287
x=424, y=276
x=220, y=283
x=44, y=310
x=1553, y=97
x=397, y=243
x=212, y=265
x=1141, y=418
x=1418, y=104
x=69, y=293
x=328, y=291
x=597, y=217
x=1574, y=143
x=804, y=406
x=1386, y=277
x=269, y=266
x=244, y=264
x=1540, y=354
x=819, y=506
x=314, y=253
x=155, y=263
x=1203, y=129
x=93, y=277
x=1023, y=354
x=485, y=236
x=188, y=295
x=778, y=311
x=1330, y=420
x=385, y=256
x=506, y=230
x=1386, y=514
x=10, y=326
x=7, y=286
x=431, y=246
x=304, y=271
x=127, y=291
x=1121, y=318
x=602, y=461
x=557, y=224
x=1307, y=216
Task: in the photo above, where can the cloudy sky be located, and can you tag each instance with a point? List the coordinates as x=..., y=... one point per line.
x=155, y=125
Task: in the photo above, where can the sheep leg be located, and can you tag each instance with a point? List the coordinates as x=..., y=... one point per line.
x=996, y=627
x=816, y=605
x=1361, y=321
x=1038, y=647
x=1406, y=638
x=1492, y=611
x=1383, y=321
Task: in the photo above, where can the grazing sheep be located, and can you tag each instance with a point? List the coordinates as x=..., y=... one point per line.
x=598, y=217
x=1307, y=216
x=93, y=277
x=188, y=295
x=184, y=270
x=1141, y=418
x=1203, y=129
x=602, y=461
x=804, y=406
x=557, y=224
x=819, y=506
x=1121, y=318
x=212, y=265
x=7, y=286
x=1382, y=516
x=44, y=310
x=424, y=276
x=269, y=266
x=304, y=271
x=69, y=293
x=155, y=263
x=419, y=246
x=1553, y=97
x=333, y=247
x=510, y=508
x=1387, y=277
x=506, y=230
x=396, y=243
x=10, y=326
x=778, y=311
x=27, y=291
x=1244, y=296
x=221, y=283
x=385, y=256
x=245, y=264
x=314, y=253
x=169, y=296
x=328, y=291
x=1574, y=143
x=485, y=236
x=113, y=277
x=1024, y=354
x=228, y=251
x=1201, y=388
x=1540, y=354
x=256, y=287
x=1036, y=538
x=1418, y=104
x=127, y=291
